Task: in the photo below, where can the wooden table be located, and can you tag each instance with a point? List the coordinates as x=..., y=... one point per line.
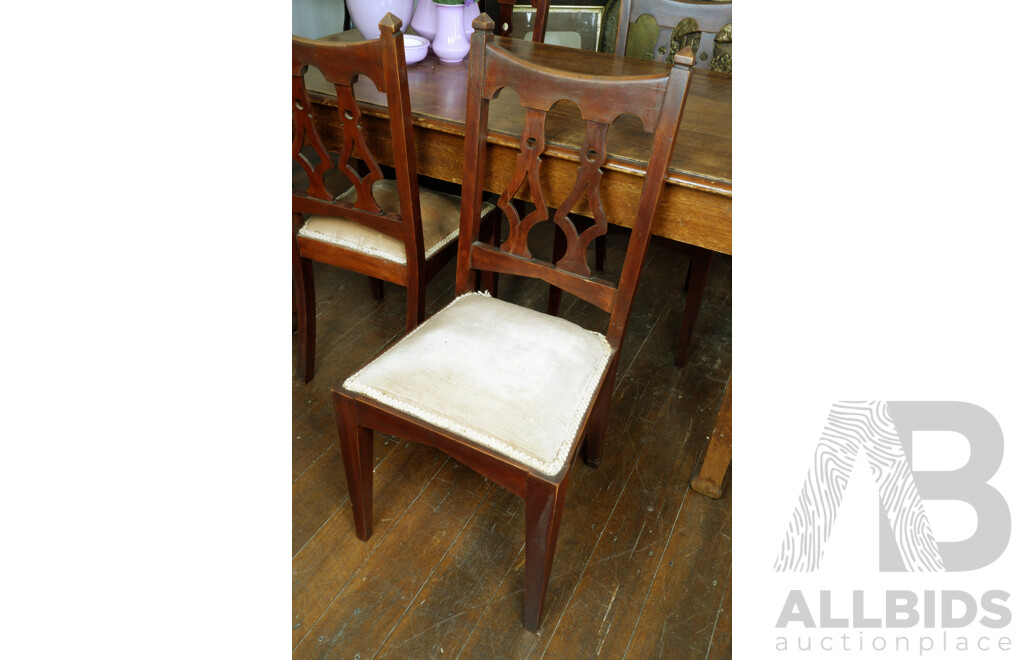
x=696, y=207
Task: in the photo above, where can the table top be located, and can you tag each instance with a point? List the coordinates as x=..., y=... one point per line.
x=701, y=161
x=703, y=153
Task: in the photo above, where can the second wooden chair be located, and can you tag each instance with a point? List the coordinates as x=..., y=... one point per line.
x=390, y=230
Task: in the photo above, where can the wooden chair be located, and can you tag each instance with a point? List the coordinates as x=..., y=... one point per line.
x=711, y=17
x=391, y=230
x=508, y=391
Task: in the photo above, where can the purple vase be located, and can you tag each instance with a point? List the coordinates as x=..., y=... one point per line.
x=424, y=20
x=366, y=14
x=472, y=11
x=450, y=45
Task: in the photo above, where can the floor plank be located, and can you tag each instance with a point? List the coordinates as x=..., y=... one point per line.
x=681, y=612
x=324, y=565
x=366, y=611
x=721, y=642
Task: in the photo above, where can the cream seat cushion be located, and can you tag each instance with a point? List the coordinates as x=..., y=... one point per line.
x=439, y=214
x=509, y=378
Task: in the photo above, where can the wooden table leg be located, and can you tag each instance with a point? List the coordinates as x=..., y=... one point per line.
x=712, y=470
x=696, y=280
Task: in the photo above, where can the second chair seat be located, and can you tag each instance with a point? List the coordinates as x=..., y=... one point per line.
x=525, y=402
x=439, y=213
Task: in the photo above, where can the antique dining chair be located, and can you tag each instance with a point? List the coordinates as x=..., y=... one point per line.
x=665, y=18
x=509, y=391
x=388, y=229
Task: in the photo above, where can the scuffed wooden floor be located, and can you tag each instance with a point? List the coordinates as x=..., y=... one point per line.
x=642, y=567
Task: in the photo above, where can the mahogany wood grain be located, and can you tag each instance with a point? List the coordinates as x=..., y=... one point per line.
x=597, y=291
x=544, y=502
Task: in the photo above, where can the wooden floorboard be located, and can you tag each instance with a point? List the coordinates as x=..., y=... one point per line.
x=642, y=566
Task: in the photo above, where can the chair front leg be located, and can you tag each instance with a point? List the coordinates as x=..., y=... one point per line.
x=357, y=453
x=305, y=308
x=544, y=502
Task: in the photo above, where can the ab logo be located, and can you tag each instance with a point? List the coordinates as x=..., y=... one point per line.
x=882, y=430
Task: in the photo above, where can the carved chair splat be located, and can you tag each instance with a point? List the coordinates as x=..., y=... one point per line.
x=513, y=393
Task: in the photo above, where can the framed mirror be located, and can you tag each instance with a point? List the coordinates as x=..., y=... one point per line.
x=572, y=25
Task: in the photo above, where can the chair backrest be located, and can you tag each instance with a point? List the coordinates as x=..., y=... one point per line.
x=382, y=61
x=540, y=24
x=711, y=17
x=603, y=87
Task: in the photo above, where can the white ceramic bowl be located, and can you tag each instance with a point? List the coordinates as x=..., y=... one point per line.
x=415, y=48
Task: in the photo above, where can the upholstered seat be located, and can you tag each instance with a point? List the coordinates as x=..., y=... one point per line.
x=439, y=214
x=525, y=401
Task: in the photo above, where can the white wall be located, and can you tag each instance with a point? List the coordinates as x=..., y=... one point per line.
x=317, y=18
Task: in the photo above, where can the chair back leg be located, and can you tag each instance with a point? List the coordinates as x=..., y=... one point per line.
x=594, y=440
x=416, y=302
x=558, y=248
x=377, y=288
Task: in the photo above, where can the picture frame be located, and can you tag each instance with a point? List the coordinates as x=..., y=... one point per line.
x=568, y=25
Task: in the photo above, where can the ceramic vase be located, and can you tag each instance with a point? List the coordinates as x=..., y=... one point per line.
x=472, y=11
x=366, y=14
x=450, y=45
x=424, y=20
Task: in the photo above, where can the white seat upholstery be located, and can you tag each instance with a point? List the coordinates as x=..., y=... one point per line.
x=509, y=378
x=439, y=214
